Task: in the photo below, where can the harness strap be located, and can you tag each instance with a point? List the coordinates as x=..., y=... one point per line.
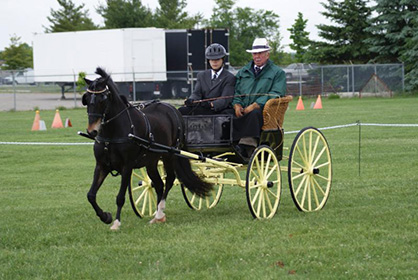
x=179, y=128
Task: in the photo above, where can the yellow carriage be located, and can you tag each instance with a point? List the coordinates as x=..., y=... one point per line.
x=307, y=163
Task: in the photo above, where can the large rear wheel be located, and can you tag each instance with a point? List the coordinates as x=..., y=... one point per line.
x=263, y=183
x=310, y=170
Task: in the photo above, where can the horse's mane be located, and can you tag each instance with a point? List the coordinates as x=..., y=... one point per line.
x=111, y=84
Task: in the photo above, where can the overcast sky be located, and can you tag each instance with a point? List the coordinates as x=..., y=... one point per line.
x=25, y=17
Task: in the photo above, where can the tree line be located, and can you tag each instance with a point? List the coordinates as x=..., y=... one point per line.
x=361, y=31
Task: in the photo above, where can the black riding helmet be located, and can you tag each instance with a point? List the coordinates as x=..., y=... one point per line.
x=215, y=51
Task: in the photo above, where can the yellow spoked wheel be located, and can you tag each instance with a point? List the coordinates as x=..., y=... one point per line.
x=141, y=193
x=310, y=170
x=263, y=183
x=198, y=203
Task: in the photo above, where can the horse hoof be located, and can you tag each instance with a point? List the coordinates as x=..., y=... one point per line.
x=158, y=221
x=116, y=225
x=106, y=217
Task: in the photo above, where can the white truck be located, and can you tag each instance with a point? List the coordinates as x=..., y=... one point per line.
x=25, y=76
x=133, y=54
x=144, y=62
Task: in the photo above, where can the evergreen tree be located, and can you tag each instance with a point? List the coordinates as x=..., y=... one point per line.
x=125, y=14
x=345, y=41
x=69, y=18
x=18, y=55
x=391, y=28
x=394, y=39
x=172, y=15
x=410, y=54
x=300, y=38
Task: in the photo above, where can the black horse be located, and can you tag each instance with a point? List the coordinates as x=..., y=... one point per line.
x=111, y=118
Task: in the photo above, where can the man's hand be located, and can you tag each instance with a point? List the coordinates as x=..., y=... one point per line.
x=251, y=108
x=189, y=102
x=238, y=110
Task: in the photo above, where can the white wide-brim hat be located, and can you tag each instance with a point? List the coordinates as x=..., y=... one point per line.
x=260, y=45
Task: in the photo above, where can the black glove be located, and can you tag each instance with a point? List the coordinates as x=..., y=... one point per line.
x=189, y=102
x=206, y=104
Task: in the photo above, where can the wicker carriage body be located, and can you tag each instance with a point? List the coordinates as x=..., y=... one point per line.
x=273, y=112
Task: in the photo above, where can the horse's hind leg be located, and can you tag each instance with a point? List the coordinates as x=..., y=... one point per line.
x=158, y=184
x=120, y=198
x=98, y=178
x=169, y=180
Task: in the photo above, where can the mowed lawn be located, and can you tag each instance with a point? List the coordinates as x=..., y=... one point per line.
x=367, y=230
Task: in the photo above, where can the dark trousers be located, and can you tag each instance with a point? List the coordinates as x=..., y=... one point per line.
x=248, y=125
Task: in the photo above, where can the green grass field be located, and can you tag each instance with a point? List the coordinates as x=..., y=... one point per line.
x=368, y=229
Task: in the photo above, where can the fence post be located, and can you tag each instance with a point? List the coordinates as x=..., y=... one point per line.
x=75, y=90
x=359, y=147
x=14, y=90
x=352, y=78
x=133, y=84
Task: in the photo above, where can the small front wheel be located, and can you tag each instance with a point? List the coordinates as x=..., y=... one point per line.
x=263, y=183
x=142, y=194
x=198, y=203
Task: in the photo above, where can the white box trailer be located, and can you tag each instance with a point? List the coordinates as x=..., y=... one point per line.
x=132, y=54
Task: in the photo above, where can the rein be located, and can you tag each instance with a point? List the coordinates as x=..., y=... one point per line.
x=232, y=96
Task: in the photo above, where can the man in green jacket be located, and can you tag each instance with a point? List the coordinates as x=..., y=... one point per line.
x=257, y=82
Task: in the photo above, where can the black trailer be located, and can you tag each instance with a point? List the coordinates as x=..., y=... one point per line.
x=185, y=58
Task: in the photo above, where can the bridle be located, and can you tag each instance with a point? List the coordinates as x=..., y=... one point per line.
x=105, y=93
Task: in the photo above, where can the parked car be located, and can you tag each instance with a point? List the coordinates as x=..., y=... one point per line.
x=21, y=77
x=296, y=70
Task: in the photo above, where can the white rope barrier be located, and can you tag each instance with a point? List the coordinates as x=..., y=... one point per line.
x=46, y=143
x=286, y=132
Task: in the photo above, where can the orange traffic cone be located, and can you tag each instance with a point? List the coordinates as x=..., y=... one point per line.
x=318, y=103
x=68, y=123
x=300, y=106
x=35, y=125
x=57, y=123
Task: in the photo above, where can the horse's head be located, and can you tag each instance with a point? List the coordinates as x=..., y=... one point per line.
x=96, y=99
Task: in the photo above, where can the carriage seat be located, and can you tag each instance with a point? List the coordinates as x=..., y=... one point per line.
x=273, y=112
x=272, y=133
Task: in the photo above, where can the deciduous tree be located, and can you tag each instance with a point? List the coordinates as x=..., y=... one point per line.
x=245, y=24
x=18, y=55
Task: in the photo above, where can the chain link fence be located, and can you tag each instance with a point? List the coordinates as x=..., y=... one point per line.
x=20, y=90
x=344, y=80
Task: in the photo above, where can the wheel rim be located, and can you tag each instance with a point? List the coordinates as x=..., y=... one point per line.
x=310, y=170
x=141, y=193
x=263, y=183
x=198, y=203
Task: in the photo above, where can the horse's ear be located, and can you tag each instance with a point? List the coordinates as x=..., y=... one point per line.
x=88, y=82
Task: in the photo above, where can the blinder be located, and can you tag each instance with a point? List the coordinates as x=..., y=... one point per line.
x=94, y=94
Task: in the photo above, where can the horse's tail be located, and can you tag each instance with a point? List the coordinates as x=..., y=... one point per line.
x=190, y=179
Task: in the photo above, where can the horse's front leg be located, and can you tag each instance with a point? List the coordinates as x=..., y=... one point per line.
x=98, y=178
x=120, y=198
